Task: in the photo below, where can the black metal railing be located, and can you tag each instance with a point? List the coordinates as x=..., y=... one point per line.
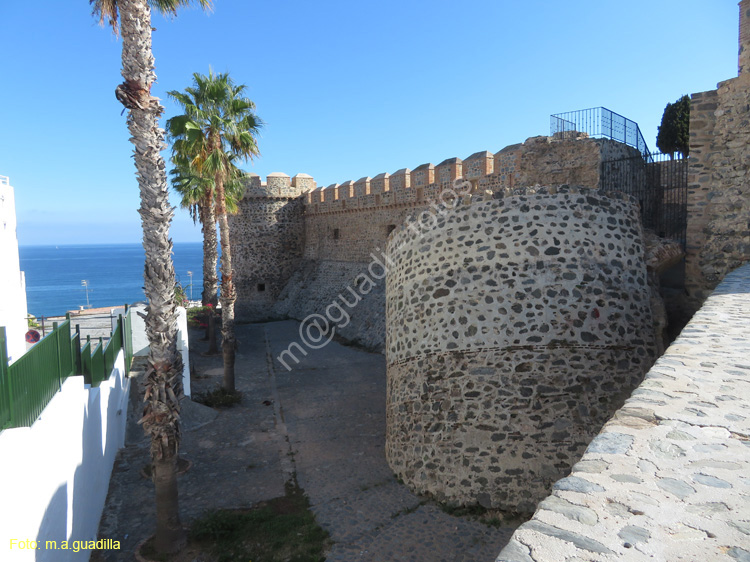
x=659, y=185
x=599, y=122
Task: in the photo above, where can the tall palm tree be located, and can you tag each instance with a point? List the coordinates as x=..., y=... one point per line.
x=132, y=20
x=197, y=195
x=219, y=125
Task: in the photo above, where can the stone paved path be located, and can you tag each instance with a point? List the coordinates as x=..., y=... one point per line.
x=325, y=425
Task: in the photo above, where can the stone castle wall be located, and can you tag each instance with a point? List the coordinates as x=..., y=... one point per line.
x=718, y=180
x=267, y=238
x=316, y=285
x=345, y=224
x=515, y=327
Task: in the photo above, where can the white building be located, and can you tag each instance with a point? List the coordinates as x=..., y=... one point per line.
x=12, y=283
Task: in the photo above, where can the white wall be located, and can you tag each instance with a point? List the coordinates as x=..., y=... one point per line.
x=12, y=283
x=140, y=340
x=54, y=476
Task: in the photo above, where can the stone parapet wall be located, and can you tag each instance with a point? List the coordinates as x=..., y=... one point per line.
x=667, y=477
x=515, y=327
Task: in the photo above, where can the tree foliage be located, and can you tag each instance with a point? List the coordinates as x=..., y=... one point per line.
x=218, y=128
x=674, y=131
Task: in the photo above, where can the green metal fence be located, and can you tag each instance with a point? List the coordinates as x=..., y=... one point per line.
x=28, y=385
x=127, y=337
x=6, y=411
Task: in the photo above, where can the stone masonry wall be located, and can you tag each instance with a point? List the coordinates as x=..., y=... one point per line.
x=267, y=238
x=352, y=235
x=347, y=223
x=576, y=161
x=718, y=236
x=515, y=327
x=667, y=477
x=317, y=284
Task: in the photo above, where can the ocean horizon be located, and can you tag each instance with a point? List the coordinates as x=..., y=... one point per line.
x=113, y=272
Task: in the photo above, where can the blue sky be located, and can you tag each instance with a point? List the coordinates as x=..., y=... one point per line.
x=347, y=89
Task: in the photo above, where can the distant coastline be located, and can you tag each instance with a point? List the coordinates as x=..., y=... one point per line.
x=113, y=272
x=69, y=245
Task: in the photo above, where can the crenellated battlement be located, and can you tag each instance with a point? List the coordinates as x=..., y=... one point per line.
x=278, y=185
x=539, y=160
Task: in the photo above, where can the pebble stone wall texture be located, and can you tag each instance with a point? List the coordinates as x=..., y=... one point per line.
x=515, y=327
x=718, y=233
x=267, y=238
x=668, y=478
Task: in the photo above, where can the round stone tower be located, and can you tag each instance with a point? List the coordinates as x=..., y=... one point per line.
x=268, y=238
x=515, y=327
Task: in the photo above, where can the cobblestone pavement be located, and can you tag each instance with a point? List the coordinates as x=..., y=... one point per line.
x=323, y=422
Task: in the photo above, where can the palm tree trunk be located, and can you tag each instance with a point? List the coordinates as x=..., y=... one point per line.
x=164, y=372
x=228, y=294
x=210, y=252
x=210, y=280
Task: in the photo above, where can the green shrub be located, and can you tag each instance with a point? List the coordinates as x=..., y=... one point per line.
x=674, y=131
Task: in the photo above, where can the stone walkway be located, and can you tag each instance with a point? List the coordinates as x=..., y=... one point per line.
x=323, y=422
x=668, y=478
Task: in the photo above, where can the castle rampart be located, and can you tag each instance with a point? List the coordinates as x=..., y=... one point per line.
x=345, y=223
x=514, y=328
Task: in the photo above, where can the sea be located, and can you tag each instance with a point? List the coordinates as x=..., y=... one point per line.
x=62, y=278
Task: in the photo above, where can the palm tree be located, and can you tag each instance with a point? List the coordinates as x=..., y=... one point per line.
x=132, y=20
x=219, y=125
x=197, y=195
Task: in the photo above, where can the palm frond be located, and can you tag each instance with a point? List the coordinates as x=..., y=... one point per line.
x=218, y=129
x=170, y=7
x=107, y=13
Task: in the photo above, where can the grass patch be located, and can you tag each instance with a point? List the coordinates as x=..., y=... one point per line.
x=218, y=398
x=463, y=511
x=489, y=517
x=282, y=529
